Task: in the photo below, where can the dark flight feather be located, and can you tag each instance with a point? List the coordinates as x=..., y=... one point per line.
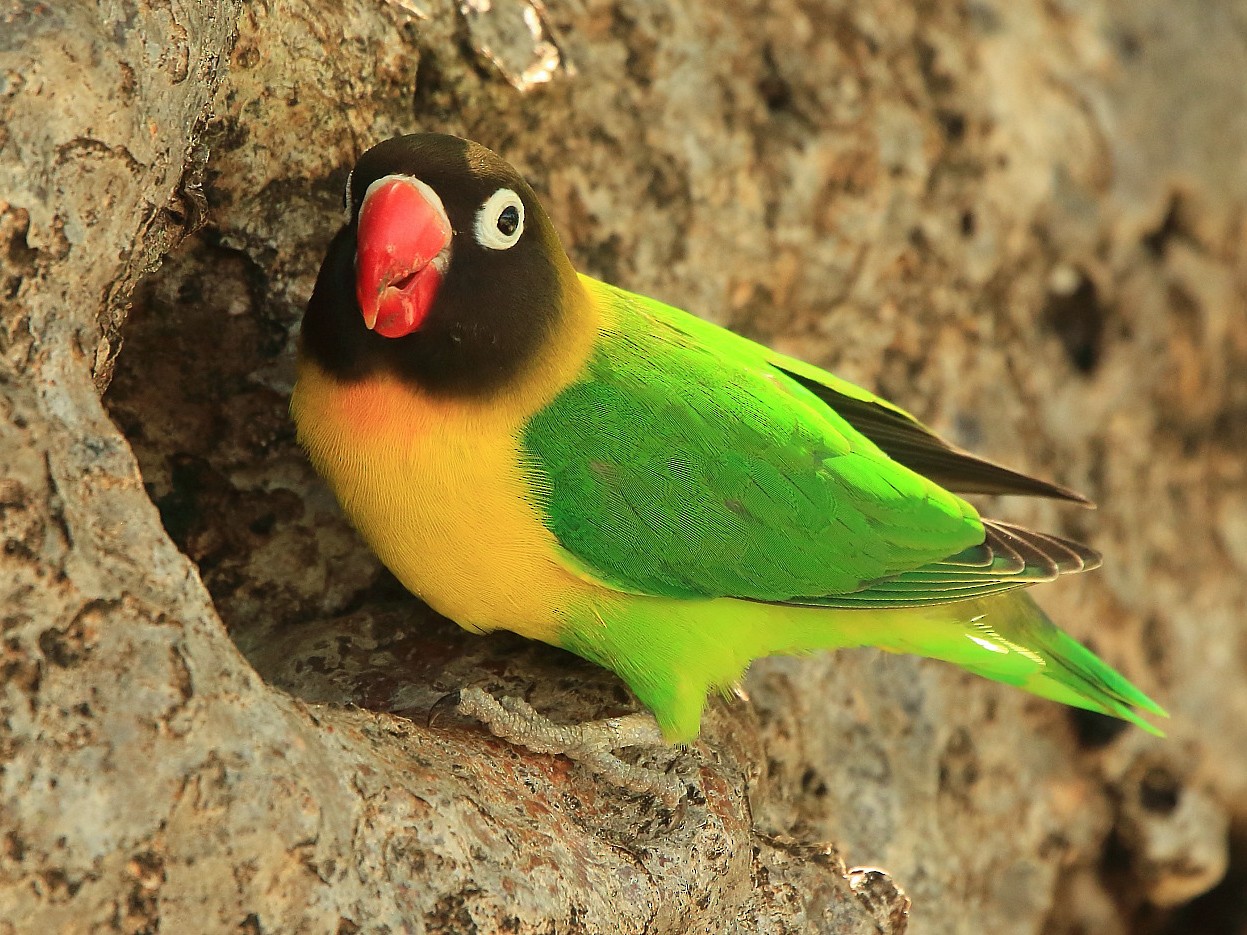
x=918, y=448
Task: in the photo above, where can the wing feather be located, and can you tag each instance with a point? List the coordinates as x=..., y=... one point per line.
x=911, y=443
x=687, y=461
x=680, y=467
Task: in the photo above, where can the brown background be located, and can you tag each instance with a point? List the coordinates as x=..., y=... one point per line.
x=1023, y=220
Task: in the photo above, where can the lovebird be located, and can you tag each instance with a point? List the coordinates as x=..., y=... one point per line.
x=528, y=448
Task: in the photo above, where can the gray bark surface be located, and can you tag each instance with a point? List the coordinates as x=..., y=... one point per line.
x=1024, y=221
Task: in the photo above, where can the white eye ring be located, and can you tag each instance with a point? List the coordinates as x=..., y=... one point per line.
x=502, y=209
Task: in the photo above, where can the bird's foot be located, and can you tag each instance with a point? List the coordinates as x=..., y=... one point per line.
x=591, y=743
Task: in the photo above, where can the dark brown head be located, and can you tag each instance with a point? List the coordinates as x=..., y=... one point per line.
x=448, y=272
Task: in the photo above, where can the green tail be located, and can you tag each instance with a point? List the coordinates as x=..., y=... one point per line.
x=1005, y=637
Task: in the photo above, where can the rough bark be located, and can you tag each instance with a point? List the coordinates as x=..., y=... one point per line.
x=1023, y=220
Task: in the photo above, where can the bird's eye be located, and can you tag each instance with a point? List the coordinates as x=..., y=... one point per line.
x=500, y=221
x=509, y=220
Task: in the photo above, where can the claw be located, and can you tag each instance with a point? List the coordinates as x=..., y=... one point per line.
x=442, y=706
x=591, y=744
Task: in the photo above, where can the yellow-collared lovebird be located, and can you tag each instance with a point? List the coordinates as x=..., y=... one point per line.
x=528, y=448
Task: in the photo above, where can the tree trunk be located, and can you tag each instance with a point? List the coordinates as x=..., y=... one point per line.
x=1025, y=221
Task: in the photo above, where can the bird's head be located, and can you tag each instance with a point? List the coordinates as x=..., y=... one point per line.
x=448, y=271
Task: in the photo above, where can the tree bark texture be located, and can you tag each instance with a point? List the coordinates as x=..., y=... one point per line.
x=1026, y=221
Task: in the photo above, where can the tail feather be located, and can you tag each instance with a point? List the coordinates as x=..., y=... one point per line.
x=1007, y=638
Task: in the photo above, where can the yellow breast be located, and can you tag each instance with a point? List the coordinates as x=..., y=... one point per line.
x=436, y=488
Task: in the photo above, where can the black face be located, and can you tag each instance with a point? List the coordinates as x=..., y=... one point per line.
x=494, y=307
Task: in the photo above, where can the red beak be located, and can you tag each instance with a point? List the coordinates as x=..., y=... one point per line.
x=400, y=256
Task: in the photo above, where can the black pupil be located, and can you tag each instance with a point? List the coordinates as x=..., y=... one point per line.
x=509, y=220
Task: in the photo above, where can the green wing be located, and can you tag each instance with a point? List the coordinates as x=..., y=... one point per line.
x=905, y=439
x=897, y=433
x=687, y=465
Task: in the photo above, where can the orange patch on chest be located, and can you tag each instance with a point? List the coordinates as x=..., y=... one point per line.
x=437, y=487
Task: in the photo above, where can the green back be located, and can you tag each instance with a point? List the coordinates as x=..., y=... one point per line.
x=684, y=464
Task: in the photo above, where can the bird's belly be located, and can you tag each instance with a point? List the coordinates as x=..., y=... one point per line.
x=453, y=529
x=442, y=501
